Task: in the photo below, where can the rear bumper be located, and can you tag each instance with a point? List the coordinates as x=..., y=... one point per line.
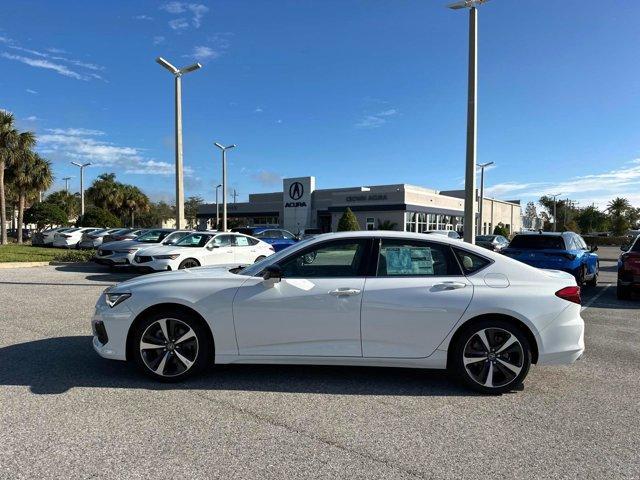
x=562, y=341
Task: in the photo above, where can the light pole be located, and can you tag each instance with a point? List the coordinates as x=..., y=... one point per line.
x=480, y=222
x=472, y=110
x=555, y=203
x=82, y=166
x=66, y=183
x=224, y=182
x=217, y=209
x=177, y=73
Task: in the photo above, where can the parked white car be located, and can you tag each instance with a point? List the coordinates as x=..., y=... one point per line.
x=203, y=248
x=373, y=298
x=46, y=237
x=94, y=239
x=71, y=238
x=121, y=254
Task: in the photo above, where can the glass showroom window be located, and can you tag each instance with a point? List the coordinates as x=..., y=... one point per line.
x=409, y=221
x=371, y=223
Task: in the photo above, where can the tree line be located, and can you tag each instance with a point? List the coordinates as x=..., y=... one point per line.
x=618, y=217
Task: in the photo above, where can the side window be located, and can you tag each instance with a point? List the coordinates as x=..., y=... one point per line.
x=415, y=258
x=342, y=258
x=287, y=235
x=241, y=241
x=470, y=262
x=223, y=240
x=252, y=241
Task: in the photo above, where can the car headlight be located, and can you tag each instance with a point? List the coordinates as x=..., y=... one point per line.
x=113, y=299
x=167, y=257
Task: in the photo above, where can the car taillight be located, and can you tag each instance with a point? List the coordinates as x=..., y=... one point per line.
x=271, y=248
x=570, y=294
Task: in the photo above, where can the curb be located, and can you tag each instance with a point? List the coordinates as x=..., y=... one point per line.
x=23, y=264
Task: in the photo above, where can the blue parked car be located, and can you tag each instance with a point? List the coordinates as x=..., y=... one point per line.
x=277, y=237
x=566, y=251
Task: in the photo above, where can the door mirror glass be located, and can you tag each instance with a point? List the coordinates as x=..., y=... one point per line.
x=272, y=272
x=211, y=246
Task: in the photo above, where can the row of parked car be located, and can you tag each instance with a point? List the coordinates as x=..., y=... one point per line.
x=82, y=237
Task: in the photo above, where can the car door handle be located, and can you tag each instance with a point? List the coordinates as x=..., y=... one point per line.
x=344, y=292
x=450, y=285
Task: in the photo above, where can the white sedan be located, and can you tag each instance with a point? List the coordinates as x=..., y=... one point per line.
x=203, y=248
x=71, y=238
x=374, y=298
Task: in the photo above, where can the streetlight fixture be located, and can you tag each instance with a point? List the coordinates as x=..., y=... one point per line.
x=472, y=110
x=82, y=167
x=555, y=203
x=224, y=182
x=66, y=183
x=217, y=209
x=482, y=166
x=177, y=73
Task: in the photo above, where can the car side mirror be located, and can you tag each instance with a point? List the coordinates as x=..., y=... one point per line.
x=594, y=248
x=272, y=272
x=211, y=246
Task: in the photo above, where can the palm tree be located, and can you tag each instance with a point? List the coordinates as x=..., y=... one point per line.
x=29, y=175
x=105, y=192
x=618, y=206
x=134, y=201
x=8, y=143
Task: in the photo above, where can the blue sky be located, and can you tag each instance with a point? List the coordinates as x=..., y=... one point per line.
x=353, y=92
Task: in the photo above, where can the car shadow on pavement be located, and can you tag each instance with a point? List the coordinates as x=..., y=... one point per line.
x=97, y=273
x=55, y=365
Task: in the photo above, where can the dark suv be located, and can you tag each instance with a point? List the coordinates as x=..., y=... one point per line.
x=629, y=270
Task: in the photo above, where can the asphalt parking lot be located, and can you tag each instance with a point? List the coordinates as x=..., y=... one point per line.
x=66, y=413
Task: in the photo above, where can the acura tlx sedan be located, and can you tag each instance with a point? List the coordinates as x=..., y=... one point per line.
x=375, y=298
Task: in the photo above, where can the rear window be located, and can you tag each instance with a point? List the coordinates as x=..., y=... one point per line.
x=636, y=245
x=537, y=242
x=470, y=262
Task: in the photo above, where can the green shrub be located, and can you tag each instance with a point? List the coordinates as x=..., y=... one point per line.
x=348, y=222
x=98, y=217
x=44, y=213
x=75, y=256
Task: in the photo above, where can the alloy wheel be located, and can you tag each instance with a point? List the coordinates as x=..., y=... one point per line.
x=188, y=264
x=169, y=347
x=493, y=357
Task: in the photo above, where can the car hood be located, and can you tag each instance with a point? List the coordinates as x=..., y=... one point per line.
x=197, y=273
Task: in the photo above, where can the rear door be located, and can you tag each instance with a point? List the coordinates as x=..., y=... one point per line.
x=417, y=295
x=244, y=249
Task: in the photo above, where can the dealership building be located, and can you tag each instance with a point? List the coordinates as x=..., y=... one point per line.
x=301, y=206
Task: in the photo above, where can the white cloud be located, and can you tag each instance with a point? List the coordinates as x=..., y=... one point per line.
x=158, y=40
x=258, y=110
x=202, y=52
x=56, y=50
x=32, y=118
x=53, y=61
x=197, y=11
x=376, y=120
x=143, y=17
x=46, y=64
x=267, y=178
x=179, y=23
x=82, y=144
x=4, y=39
x=598, y=188
x=33, y=92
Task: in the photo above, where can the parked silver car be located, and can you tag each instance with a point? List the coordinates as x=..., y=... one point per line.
x=94, y=239
x=121, y=253
x=123, y=234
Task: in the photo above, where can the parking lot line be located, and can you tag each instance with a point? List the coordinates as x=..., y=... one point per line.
x=590, y=302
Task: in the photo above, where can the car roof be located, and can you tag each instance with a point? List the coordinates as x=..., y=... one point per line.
x=544, y=234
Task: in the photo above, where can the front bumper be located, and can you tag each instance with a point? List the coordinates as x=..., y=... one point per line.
x=115, y=260
x=110, y=327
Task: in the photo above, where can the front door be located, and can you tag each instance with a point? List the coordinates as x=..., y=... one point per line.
x=415, y=299
x=313, y=311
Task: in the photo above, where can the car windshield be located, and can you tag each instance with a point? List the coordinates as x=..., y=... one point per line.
x=636, y=245
x=100, y=230
x=485, y=238
x=538, y=242
x=122, y=231
x=195, y=240
x=153, y=236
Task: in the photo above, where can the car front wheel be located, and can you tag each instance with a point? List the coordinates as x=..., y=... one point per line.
x=492, y=356
x=171, y=346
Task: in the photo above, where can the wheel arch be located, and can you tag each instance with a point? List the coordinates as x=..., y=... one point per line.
x=191, y=258
x=163, y=307
x=495, y=316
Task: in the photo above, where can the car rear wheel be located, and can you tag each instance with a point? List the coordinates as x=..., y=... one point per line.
x=188, y=263
x=623, y=292
x=261, y=257
x=594, y=280
x=170, y=346
x=492, y=356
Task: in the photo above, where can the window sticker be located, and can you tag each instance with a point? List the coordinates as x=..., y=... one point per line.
x=409, y=261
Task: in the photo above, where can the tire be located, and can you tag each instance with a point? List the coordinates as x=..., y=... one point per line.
x=188, y=263
x=623, y=292
x=496, y=371
x=581, y=276
x=261, y=257
x=174, y=360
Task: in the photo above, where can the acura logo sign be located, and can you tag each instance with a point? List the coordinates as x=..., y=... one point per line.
x=296, y=190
